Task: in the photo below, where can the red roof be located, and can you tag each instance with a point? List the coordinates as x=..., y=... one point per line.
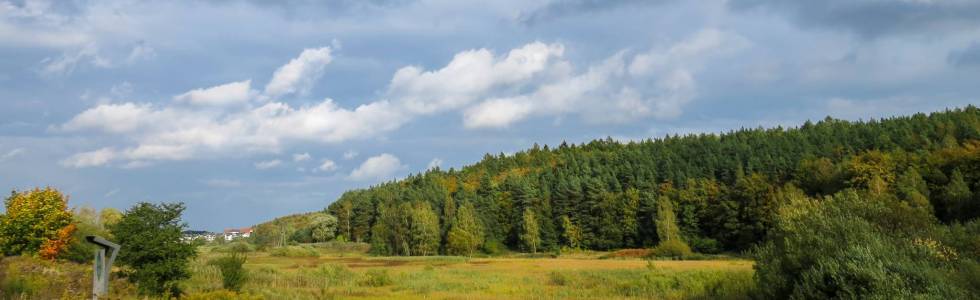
x=238, y=230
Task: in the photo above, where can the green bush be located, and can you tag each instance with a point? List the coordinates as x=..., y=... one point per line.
x=827, y=249
x=295, y=251
x=233, y=274
x=674, y=249
x=238, y=246
x=705, y=245
x=152, y=253
x=377, y=278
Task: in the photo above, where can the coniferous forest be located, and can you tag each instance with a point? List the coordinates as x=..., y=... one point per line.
x=726, y=189
x=831, y=209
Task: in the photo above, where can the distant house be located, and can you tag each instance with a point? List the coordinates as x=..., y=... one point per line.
x=235, y=233
x=192, y=235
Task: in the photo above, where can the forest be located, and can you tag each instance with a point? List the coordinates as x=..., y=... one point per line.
x=726, y=189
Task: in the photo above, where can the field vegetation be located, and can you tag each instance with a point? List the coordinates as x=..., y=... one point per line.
x=358, y=275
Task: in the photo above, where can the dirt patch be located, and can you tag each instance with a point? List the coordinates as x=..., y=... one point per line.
x=628, y=253
x=378, y=263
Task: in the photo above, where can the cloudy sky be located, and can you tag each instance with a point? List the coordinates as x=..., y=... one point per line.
x=249, y=110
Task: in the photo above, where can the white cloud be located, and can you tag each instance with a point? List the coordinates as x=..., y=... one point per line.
x=231, y=93
x=265, y=165
x=381, y=167
x=327, y=166
x=174, y=133
x=301, y=157
x=11, y=154
x=435, y=163
x=489, y=91
x=350, y=154
x=469, y=76
x=90, y=159
x=71, y=59
x=657, y=84
x=298, y=76
x=497, y=112
x=113, y=118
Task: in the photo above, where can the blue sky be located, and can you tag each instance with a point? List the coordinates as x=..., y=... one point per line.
x=249, y=110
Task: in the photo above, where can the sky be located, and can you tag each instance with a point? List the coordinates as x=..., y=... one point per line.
x=250, y=110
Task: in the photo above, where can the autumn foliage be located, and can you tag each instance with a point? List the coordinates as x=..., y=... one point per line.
x=51, y=248
x=36, y=222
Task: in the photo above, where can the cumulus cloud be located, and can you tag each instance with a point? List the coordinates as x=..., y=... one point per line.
x=496, y=113
x=301, y=157
x=490, y=91
x=113, y=118
x=90, y=159
x=327, y=166
x=226, y=94
x=873, y=18
x=269, y=164
x=298, y=76
x=381, y=167
x=656, y=83
x=178, y=132
x=470, y=75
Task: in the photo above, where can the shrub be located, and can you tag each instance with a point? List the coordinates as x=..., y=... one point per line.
x=342, y=247
x=295, y=251
x=377, y=278
x=827, y=249
x=233, y=274
x=675, y=249
x=235, y=247
x=149, y=235
x=705, y=245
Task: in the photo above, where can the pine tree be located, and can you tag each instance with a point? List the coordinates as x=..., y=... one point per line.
x=957, y=196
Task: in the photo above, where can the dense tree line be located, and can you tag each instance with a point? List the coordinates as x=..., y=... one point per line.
x=725, y=189
x=299, y=228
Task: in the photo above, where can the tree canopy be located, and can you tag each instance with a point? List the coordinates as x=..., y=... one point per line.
x=726, y=188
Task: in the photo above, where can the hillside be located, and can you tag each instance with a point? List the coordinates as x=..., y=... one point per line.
x=726, y=187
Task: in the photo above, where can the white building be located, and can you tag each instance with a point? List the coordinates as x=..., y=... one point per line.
x=235, y=233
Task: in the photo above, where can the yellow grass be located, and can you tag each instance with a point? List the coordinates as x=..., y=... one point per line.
x=356, y=276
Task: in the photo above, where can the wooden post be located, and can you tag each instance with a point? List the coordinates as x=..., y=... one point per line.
x=102, y=267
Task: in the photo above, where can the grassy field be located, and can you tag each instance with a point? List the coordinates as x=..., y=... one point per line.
x=348, y=273
x=325, y=274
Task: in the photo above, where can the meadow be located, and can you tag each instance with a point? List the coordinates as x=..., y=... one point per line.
x=309, y=272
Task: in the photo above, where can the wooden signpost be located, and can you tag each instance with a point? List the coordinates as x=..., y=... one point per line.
x=100, y=279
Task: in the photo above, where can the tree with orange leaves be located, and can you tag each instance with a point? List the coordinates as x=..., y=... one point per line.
x=37, y=222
